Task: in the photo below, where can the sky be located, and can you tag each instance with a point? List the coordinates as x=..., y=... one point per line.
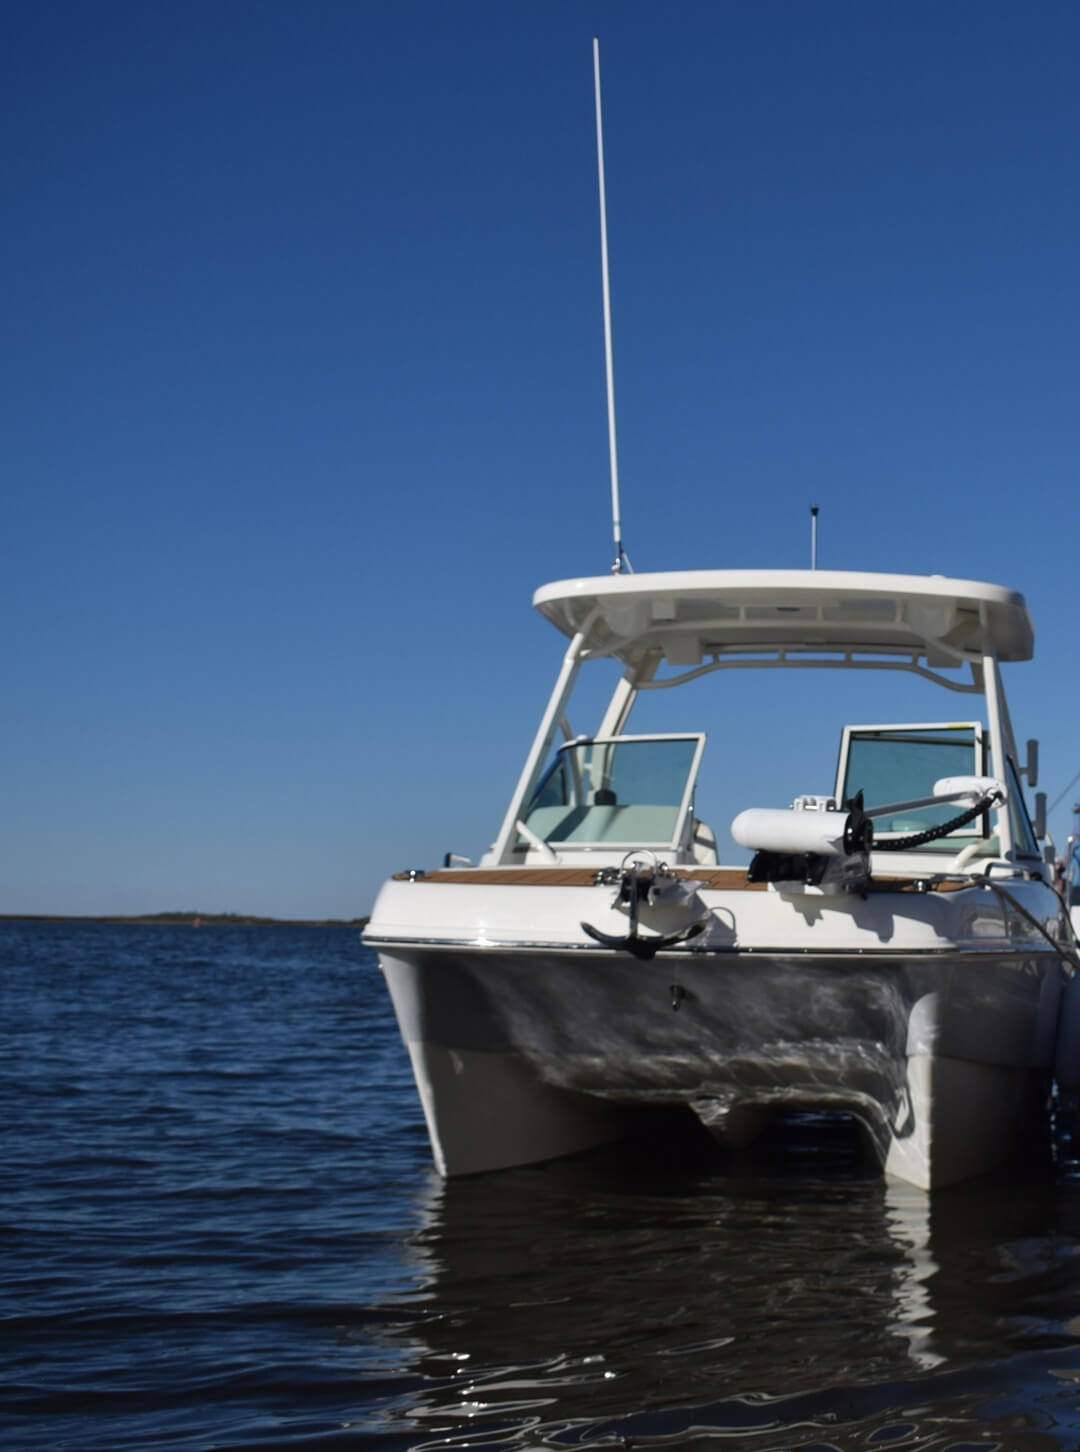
x=302, y=396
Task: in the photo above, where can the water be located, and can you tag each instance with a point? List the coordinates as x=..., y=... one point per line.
x=219, y=1228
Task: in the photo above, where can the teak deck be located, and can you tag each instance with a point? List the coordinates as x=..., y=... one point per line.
x=716, y=879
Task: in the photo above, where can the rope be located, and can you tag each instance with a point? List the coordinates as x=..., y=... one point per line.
x=1061, y=795
x=1062, y=949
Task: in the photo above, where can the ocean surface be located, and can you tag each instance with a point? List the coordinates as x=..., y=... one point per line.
x=220, y=1228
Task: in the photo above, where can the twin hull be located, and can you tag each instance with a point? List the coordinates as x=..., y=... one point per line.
x=931, y=1018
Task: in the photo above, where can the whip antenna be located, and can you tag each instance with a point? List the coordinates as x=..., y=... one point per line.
x=621, y=561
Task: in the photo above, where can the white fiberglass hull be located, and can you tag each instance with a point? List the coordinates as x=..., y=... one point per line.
x=942, y=1057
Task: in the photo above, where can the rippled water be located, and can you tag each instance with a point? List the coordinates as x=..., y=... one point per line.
x=219, y=1228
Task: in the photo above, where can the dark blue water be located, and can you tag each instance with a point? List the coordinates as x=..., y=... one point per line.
x=219, y=1228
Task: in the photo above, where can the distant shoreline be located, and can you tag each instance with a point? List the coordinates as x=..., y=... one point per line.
x=189, y=920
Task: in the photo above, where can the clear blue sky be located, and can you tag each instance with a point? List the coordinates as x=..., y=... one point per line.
x=303, y=393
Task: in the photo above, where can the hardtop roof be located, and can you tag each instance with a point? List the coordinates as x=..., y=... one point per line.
x=688, y=614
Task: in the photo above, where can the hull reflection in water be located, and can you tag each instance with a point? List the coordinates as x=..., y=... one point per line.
x=789, y=1302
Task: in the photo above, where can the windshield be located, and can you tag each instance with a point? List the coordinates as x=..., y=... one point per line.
x=632, y=789
x=896, y=764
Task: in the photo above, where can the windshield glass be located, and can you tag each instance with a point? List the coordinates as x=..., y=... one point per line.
x=891, y=764
x=622, y=789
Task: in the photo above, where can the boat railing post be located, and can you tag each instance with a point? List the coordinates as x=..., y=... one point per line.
x=625, y=694
x=1007, y=732
x=545, y=735
x=998, y=746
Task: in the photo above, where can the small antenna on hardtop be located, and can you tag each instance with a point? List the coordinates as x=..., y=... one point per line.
x=813, y=536
x=621, y=561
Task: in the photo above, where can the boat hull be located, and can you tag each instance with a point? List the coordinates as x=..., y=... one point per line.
x=942, y=1057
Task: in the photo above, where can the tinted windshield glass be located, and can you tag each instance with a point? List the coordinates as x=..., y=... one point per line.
x=625, y=790
x=896, y=765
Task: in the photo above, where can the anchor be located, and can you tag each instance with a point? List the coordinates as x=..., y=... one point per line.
x=640, y=882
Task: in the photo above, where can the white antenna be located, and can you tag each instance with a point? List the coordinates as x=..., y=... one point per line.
x=621, y=560
x=813, y=536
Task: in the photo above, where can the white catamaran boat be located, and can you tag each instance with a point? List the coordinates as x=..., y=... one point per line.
x=894, y=951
